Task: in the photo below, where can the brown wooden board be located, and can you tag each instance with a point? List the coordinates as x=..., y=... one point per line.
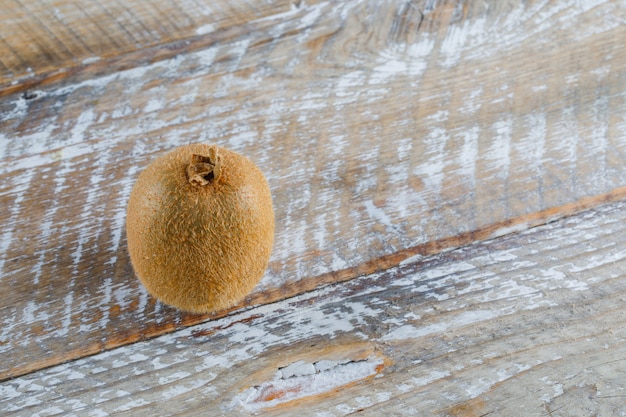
x=387, y=129
x=43, y=42
x=531, y=324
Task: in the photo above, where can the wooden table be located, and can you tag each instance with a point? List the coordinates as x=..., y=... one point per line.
x=449, y=181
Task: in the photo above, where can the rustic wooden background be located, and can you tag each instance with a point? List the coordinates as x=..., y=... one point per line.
x=447, y=177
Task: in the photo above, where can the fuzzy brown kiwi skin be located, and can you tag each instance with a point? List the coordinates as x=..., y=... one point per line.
x=200, y=248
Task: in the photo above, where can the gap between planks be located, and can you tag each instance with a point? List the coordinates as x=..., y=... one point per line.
x=290, y=290
x=188, y=40
x=529, y=320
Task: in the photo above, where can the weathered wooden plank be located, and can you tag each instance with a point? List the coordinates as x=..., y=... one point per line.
x=47, y=41
x=386, y=129
x=529, y=324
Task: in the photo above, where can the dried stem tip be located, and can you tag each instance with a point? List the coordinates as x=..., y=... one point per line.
x=204, y=169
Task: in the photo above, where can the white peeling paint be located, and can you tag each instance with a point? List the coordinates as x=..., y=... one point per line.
x=462, y=319
x=204, y=29
x=294, y=10
x=532, y=151
x=411, y=259
x=431, y=170
x=502, y=231
x=131, y=404
x=407, y=61
x=472, y=102
x=469, y=154
x=173, y=377
x=6, y=238
x=433, y=375
x=119, y=216
x=20, y=106
x=90, y=60
x=499, y=152
x=296, y=369
x=297, y=385
x=600, y=136
x=348, y=83
x=155, y=104
x=378, y=215
x=459, y=37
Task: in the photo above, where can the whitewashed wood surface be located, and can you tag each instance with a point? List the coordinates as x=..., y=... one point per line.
x=387, y=130
x=43, y=42
x=531, y=324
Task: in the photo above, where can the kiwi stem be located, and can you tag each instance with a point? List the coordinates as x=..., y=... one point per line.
x=204, y=169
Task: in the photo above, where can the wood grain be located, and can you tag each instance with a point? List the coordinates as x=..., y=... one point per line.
x=47, y=41
x=529, y=324
x=386, y=130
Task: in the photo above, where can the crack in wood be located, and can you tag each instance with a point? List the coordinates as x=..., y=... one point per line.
x=303, y=380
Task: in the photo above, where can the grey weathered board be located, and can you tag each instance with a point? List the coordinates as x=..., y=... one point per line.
x=387, y=130
x=532, y=324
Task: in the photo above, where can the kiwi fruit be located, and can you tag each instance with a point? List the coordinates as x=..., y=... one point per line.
x=200, y=227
